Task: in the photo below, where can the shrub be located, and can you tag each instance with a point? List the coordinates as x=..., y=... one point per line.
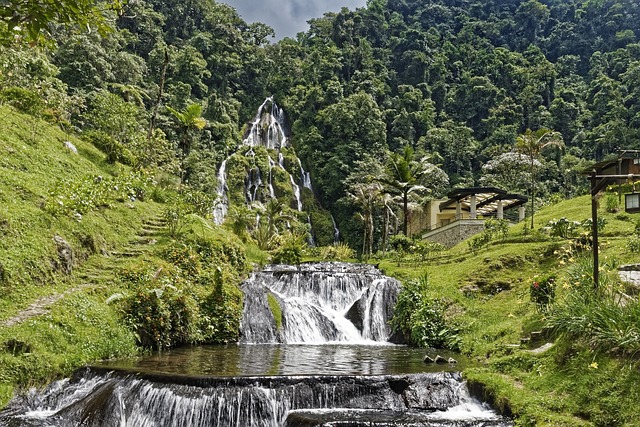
x=115, y=151
x=594, y=316
x=496, y=228
x=400, y=243
x=163, y=317
x=221, y=314
x=336, y=252
x=633, y=244
x=184, y=257
x=22, y=100
x=543, y=292
x=94, y=192
x=289, y=251
x=420, y=318
x=612, y=202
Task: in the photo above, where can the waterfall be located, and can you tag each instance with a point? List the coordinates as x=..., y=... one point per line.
x=98, y=398
x=271, y=120
x=222, y=203
x=320, y=302
x=272, y=192
x=336, y=231
x=305, y=176
x=252, y=184
x=310, y=240
x=296, y=192
x=267, y=129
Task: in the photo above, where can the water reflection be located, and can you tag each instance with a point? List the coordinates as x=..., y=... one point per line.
x=268, y=359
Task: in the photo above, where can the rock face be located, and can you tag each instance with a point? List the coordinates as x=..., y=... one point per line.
x=65, y=260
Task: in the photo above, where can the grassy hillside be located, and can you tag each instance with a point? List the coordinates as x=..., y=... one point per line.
x=578, y=381
x=37, y=173
x=91, y=267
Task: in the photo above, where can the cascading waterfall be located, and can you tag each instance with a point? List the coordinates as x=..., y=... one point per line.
x=321, y=303
x=222, y=203
x=99, y=398
x=336, y=231
x=305, y=176
x=267, y=129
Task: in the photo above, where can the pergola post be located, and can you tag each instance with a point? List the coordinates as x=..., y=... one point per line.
x=474, y=214
x=458, y=210
x=500, y=211
x=521, y=213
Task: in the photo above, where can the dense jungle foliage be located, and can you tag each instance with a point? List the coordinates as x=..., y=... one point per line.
x=457, y=81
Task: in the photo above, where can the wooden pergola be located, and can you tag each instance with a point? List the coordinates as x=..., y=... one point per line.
x=485, y=201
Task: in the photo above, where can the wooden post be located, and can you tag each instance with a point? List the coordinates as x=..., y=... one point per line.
x=594, y=229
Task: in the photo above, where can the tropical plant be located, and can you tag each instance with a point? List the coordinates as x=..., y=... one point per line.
x=189, y=120
x=366, y=197
x=421, y=319
x=532, y=143
x=405, y=176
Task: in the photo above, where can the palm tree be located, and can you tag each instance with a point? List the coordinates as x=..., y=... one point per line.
x=531, y=143
x=188, y=119
x=366, y=196
x=403, y=177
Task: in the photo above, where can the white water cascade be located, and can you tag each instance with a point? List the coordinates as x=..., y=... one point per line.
x=331, y=306
x=320, y=303
x=222, y=202
x=267, y=129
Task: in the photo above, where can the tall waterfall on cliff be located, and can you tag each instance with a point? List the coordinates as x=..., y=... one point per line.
x=267, y=129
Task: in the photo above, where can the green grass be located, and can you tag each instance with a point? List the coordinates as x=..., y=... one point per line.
x=488, y=295
x=79, y=328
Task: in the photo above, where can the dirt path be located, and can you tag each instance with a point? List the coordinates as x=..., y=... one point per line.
x=141, y=243
x=40, y=306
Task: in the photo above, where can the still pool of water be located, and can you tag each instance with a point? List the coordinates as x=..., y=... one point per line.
x=267, y=360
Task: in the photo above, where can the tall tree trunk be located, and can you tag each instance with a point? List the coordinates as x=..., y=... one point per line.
x=533, y=191
x=385, y=233
x=405, y=211
x=154, y=115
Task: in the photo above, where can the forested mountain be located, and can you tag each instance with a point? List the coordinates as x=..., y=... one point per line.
x=457, y=81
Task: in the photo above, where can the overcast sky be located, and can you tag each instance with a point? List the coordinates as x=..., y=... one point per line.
x=288, y=17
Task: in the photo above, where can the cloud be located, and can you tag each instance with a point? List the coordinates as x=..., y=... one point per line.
x=289, y=17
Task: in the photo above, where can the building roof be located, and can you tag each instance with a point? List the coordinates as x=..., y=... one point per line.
x=606, y=165
x=487, y=199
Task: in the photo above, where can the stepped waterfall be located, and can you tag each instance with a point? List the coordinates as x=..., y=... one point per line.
x=323, y=359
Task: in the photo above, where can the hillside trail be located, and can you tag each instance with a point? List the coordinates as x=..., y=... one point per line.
x=89, y=275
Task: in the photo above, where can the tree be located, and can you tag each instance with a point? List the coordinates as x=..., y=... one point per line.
x=31, y=20
x=188, y=119
x=531, y=143
x=366, y=197
x=404, y=176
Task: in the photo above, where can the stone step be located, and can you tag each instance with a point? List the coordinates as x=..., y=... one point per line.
x=147, y=233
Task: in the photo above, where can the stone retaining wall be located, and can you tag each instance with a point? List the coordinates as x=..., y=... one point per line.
x=452, y=234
